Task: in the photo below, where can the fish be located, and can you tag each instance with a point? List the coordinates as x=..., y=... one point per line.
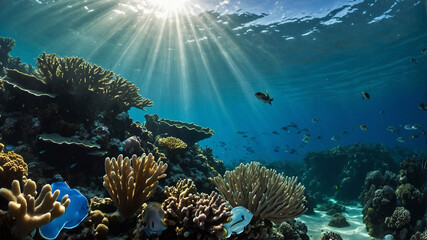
x=414, y=136
x=9, y=148
x=391, y=129
x=365, y=95
x=240, y=132
x=73, y=165
x=315, y=120
x=424, y=51
x=416, y=126
x=275, y=132
x=319, y=137
x=408, y=127
x=381, y=112
x=414, y=60
x=400, y=139
x=423, y=106
x=363, y=127
x=306, y=139
x=239, y=219
x=344, y=133
x=264, y=97
x=334, y=138
x=153, y=218
x=424, y=132
x=424, y=165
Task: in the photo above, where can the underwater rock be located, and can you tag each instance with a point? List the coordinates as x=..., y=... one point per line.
x=190, y=133
x=338, y=220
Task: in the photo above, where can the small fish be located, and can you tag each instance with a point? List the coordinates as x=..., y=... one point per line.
x=400, y=139
x=240, y=132
x=423, y=106
x=424, y=165
x=275, y=132
x=424, y=132
x=414, y=60
x=414, y=136
x=306, y=139
x=42, y=151
x=416, y=126
x=408, y=127
x=344, y=133
x=315, y=120
x=424, y=51
x=73, y=165
x=381, y=112
x=238, y=221
x=334, y=138
x=265, y=98
x=365, y=95
x=9, y=148
x=391, y=129
x=319, y=137
x=363, y=127
x=152, y=217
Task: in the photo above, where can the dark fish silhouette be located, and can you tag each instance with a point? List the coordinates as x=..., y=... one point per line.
x=424, y=165
x=264, y=97
x=423, y=106
x=365, y=95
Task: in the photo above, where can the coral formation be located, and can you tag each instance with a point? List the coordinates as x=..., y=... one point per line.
x=31, y=212
x=12, y=166
x=399, y=218
x=7, y=61
x=331, y=236
x=262, y=191
x=172, y=143
x=338, y=220
x=190, y=133
x=132, y=182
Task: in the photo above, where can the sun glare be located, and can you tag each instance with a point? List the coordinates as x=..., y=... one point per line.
x=169, y=5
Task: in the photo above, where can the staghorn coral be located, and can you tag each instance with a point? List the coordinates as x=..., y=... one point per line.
x=172, y=143
x=190, y=133
x=131, y=182
x=12, y=166
x=399, y=218
x=31, y=212
x=262, y=191
x=179, y=212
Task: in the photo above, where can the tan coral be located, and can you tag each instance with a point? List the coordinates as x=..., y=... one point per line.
x=172, y=143
x=265, y=193
x=131, y=182
x=12, y=166
x=182, y=189
x=30, y=212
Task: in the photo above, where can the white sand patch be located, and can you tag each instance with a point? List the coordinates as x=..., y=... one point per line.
x=318, y=224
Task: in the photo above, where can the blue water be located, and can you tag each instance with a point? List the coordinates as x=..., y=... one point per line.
x=204, y=64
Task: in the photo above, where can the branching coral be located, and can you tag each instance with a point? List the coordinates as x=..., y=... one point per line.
x=12, y=166
x=31, y=212
x=131, y=182
x=265, y=193
x=182, y=189
x=172, y=143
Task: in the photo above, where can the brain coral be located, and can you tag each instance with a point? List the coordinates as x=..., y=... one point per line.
x=172, y=143
x=12, y=166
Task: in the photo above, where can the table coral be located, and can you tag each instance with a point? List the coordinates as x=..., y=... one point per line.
x=31, y=212
x=12, y=166
x=262, y=191
x=131, y=182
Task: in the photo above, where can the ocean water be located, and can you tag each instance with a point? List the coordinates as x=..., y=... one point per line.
x=202, y=62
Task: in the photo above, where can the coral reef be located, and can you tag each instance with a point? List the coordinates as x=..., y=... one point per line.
x=30, y=212
x=12, y=167
x=262, y=191
x=132, y=182
x=399, y=218
x=7, y=61
x=350, y=165
x=190, y=133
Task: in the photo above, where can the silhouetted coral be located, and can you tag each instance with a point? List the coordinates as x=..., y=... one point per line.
x=190, y=133
x=399, y=218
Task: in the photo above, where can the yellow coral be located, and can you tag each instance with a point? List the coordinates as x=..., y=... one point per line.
x=30, y=212
x=172, y=143
x=12, y=166
x=131, y=182
x=182, y=189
